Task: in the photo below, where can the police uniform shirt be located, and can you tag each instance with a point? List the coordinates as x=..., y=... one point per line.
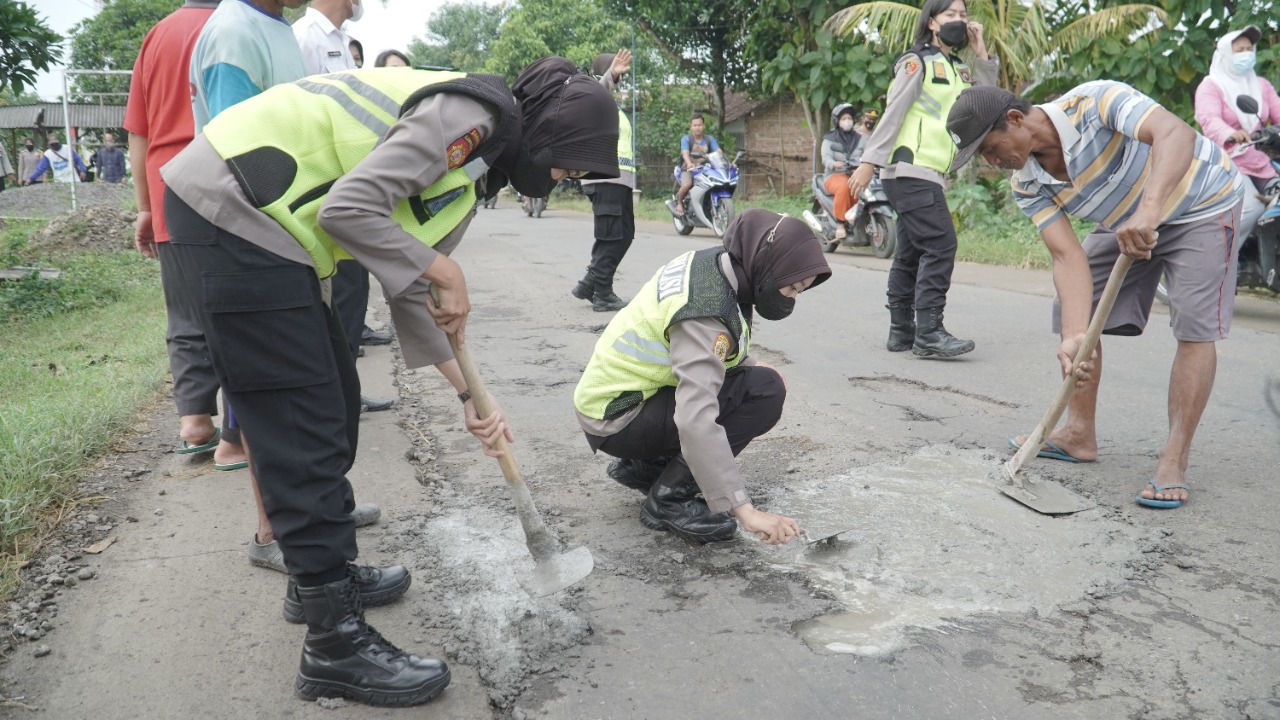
x=325, y=48
x=703, y=443
x=908, y=84
x=357, y=211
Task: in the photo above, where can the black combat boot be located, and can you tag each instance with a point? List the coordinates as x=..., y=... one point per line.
x=605, y=300
x=933, y=340
x=585, y=288
x=674, y=505
x=636, y=474
x=377, y=586
x=902, y=326
x=342, y=656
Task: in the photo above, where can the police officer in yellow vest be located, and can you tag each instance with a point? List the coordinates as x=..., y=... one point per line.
x=672, y=392
x=914, y=150
x=611, y=202
x=381, y=165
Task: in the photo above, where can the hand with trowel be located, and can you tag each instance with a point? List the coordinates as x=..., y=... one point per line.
x=380, y=165
x=1106, y=153
x=672, y=393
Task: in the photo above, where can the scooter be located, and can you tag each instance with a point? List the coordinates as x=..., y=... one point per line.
x=873, y=221
x=532, y=207
x=1258, y=257
x=709, y=203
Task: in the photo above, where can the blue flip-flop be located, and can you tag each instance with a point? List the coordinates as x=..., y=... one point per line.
x=1052, y=452
x=187, y=448
x=1160, y=504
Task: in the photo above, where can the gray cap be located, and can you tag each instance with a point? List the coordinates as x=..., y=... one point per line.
x=972, y=117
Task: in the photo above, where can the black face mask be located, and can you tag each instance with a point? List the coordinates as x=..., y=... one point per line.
x=55, y=146
x=771, y=303
x=531, y=174
x=30, y=147
x=954, y=34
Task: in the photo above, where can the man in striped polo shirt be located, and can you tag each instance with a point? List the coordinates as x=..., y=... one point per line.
x=1161, y=193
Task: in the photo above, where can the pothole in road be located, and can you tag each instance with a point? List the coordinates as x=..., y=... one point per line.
x=932, y=541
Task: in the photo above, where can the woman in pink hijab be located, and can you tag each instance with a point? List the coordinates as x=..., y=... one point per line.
x=1230, y=76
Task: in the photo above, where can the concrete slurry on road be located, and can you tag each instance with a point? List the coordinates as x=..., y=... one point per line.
x=942, y=599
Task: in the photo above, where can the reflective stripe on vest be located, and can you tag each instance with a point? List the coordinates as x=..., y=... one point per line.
x=625, y=160
x=924, y=129
x=632, y=358
x=287, y=147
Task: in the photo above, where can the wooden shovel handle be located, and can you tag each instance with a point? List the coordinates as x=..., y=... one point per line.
x=484, y=407
x=1050, y=420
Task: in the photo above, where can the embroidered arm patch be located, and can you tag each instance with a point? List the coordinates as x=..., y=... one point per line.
x=462, y=147
x=722, y=345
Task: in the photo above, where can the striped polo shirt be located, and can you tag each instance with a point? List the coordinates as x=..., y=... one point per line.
x=1098, y=124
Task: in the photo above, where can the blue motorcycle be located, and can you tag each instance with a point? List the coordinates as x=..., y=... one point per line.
x=709, y=202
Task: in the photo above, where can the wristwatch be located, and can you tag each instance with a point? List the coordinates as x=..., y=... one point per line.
x=464, y=396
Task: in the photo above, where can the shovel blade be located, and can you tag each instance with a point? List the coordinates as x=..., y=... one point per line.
x=558, y=571
x=1046, y=497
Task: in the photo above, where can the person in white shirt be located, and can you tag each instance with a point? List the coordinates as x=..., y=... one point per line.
x=325, y=45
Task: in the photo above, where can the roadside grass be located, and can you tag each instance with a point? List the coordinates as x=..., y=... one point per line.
x=80, y=356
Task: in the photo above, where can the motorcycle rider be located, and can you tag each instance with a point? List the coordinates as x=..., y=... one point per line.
x=694, y=148
x=1230, y=76
x=841, y=152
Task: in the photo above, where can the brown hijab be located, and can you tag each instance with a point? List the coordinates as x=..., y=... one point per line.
x=770, y=251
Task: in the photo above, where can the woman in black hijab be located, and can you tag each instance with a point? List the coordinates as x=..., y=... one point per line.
x=671, y=391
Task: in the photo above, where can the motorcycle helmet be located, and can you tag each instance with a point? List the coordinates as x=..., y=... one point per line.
x=841, y=109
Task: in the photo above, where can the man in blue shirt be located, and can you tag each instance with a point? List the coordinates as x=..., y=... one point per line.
x=110, y=160
x=694, y=148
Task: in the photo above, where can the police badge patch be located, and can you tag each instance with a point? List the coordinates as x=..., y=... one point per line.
x=912, y=67
x=462, y=147
x=722, y=345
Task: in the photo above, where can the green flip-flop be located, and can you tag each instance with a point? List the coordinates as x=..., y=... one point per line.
x=187, y=448
x=231, y=466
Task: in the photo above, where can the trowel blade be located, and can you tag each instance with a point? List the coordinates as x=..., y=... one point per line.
x=557, y=572
x=821, y=534
x=1046, y=497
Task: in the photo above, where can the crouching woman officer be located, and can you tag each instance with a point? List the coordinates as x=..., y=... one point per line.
x=380, y=165
x=672, y=392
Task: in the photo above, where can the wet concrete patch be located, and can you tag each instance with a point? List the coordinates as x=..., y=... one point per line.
x=932, y=541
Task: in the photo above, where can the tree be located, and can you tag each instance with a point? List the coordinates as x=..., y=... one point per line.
x=27, y=45
x=798, y=54
x=459, y=35
x=575, y=29
x=111, y=39
x=1169, y=65
x=705, y=40
x=1019, y=32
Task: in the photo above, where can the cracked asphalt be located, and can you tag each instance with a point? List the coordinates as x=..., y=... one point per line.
x=942, y=598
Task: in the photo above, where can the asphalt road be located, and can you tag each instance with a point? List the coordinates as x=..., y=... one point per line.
x=943, y=599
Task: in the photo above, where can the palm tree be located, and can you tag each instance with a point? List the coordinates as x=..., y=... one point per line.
x=1020, y=32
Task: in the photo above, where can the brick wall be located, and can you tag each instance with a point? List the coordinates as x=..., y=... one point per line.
x=779, y=149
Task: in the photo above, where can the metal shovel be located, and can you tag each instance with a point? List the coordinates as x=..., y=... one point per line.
x=555, y=570
x=1040, y=495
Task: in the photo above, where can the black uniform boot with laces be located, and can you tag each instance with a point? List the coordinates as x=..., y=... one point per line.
x=636, y=474
x=343, y=656
x=933, y=340
x=377, y=586
x=674, y=505
x=902, y=327
x=605, y=300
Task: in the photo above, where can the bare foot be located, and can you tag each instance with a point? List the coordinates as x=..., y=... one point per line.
x=196, y=429
x=229, y=453
x=1078, y=448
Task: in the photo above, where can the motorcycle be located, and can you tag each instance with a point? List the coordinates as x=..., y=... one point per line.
x=874, y=223
x=1258, y=257
x=532, y=207
x=709, y=203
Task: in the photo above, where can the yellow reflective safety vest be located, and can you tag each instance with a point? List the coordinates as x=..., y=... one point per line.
x=287, y=147
x=625, y=159
x=924, y=130
x=632, y=358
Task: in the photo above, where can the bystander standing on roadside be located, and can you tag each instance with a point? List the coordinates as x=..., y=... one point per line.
x=6, y=169
x=28, y=159
x=110, y=160
x=63, y=162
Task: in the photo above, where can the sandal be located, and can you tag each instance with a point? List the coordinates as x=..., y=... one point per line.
x=187, y=448
x=1158, y=503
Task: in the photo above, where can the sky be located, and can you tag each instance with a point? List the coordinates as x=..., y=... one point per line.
x=381, y=28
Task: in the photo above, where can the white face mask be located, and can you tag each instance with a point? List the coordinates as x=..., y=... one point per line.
x=357, y=10
x=846, y=124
